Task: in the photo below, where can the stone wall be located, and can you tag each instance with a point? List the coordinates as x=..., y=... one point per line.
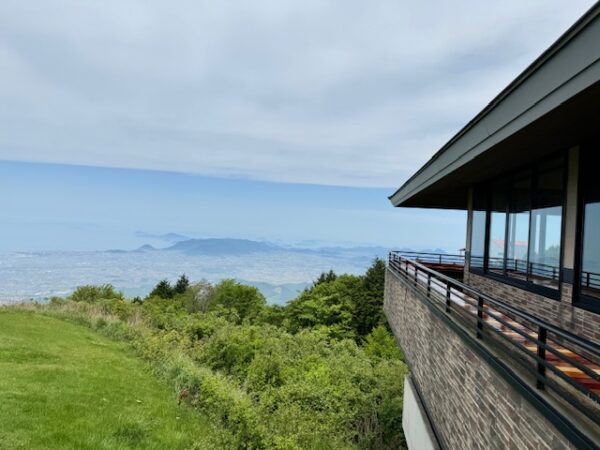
x=470, y=404
x=560, y=313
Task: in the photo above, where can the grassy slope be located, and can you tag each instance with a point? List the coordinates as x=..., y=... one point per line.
x=64, y=386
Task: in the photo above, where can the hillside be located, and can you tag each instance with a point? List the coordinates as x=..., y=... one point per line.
x=321, y=372
x=64, y=386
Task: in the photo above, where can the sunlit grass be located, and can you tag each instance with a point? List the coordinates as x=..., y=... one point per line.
x=62, y=386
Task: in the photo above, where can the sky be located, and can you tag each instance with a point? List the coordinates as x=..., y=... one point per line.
x=278, y=119
x=63, y=207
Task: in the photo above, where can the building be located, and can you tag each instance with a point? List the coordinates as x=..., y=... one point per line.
x=503, y=343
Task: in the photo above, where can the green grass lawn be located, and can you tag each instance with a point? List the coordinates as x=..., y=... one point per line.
x=63, y=386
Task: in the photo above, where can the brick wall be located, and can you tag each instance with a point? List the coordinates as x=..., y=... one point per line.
x=561, y=313
x=472, y=407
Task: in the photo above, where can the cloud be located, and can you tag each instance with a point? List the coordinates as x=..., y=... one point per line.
x=328, y=92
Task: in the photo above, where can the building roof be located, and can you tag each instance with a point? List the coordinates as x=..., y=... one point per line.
x=553, y=103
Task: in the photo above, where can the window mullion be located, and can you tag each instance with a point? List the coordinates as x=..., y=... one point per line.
x=507, y=228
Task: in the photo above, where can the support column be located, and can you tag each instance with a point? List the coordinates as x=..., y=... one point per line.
x=569, y=241
x=469, y=233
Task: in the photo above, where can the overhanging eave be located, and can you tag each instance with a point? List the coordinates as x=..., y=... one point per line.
x=569, y=68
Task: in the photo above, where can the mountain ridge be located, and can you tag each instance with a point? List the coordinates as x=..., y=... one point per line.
x=223, y=246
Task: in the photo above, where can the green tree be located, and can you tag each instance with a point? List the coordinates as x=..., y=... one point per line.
x=381, y=344
x=369, y=307
x=328, y=304
x=181, y=285
x=247, y=301
x=325, y=277
x=163, y=290
x=273, y=315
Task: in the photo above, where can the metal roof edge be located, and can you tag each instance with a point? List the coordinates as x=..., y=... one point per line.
x=589, y=16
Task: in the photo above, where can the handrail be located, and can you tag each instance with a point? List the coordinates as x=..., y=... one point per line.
x=590, y=280
x=447, y=290
x=549, y=271
x=410, y=252
x=515, y=265
x=439, y=258
x=589, y=346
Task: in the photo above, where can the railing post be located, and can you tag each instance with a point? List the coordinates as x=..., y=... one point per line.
x=416, y=276
x=428, y=284
x=448, y=294
x=440, y=255
x=541, y=352
x=479, y=333
x=587, y=276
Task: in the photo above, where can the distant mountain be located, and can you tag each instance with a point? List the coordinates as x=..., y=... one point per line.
x=223, y=247
x=240, y=247
x=231, y=246
x=146, y=248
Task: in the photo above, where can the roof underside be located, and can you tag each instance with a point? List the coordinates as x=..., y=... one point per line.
x=553, y=105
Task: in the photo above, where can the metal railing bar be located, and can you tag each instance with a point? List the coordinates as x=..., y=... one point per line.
x=537, y=359
x=587, y=345
x=445, y=291
x=544, y=362
x=529, y=337
x=547, y=364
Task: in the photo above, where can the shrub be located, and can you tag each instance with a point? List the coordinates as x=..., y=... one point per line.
x=57, y=301
x=299, y=376
x=195, y=297
x=90, y=293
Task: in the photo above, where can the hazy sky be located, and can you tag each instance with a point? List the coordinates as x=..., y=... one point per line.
x=315, y=92
x=83, y=208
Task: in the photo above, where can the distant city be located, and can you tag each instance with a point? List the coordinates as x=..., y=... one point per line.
x=279, y=271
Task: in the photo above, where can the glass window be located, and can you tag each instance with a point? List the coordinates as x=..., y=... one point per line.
x=546, y=227
x=590, y=264
x=497, y=242
x=518, y=226
x=478, y=229
x=524, y=226
x=590, y=252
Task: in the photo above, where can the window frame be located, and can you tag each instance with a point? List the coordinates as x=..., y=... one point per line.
x=581, y=300
x=548, y=292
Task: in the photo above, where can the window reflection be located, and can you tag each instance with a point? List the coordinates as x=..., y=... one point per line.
x=590, y=264
x=590, y=255
x=497, y=242
x=546, y=227
x=525, y=226
x=518, y=226
x=478, y=230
